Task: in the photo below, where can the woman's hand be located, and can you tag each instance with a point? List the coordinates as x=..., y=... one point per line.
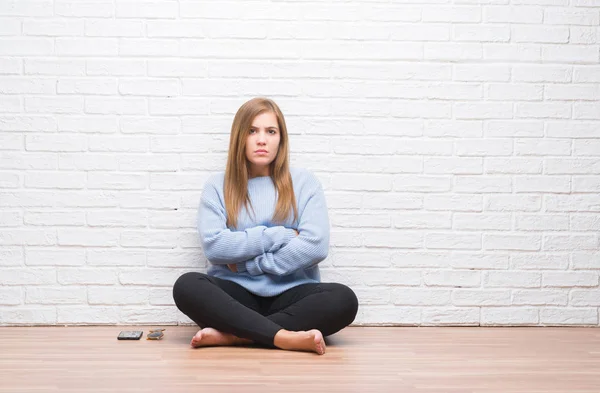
x=297, y=233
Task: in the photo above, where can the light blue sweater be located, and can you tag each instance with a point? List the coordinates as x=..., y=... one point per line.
x=270, y=258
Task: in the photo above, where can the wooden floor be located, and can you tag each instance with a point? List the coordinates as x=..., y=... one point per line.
x=358, y=359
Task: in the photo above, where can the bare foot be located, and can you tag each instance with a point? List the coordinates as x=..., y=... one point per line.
x=209, y=337
x=311, y=341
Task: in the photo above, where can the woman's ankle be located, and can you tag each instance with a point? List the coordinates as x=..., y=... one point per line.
x=282, y=338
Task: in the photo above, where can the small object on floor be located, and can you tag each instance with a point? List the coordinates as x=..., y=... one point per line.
x=130, y=335
x=155, y=334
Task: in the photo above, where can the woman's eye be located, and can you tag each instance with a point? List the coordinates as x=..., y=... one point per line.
x=272, y=132
x=252, y=131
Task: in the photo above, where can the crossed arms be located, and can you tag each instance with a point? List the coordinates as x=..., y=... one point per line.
x=273, y=250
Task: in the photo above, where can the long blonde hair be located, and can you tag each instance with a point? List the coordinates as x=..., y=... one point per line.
x=236, y=172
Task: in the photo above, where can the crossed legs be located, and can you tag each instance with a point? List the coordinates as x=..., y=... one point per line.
x=297, y=319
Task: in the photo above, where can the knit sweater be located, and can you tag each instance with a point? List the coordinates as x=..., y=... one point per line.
x=270, y=257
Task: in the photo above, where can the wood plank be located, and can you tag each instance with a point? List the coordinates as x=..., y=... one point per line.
x=358, y=359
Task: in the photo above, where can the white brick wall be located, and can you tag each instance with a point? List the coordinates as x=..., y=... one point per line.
x=458, y=142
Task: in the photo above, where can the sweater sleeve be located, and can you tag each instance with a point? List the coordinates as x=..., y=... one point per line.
x=310, y=247
x=224, y=246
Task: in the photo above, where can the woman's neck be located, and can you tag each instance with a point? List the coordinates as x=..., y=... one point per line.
x=259, y=172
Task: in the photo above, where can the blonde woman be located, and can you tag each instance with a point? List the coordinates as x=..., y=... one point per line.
x=264, y=228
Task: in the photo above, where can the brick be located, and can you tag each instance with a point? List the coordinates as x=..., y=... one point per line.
x=455, y=316
x=360, y=220
x=569, y=316
x=480, y=297
x=86, y=315
x=586, y=183
x=421, y=297
x=479, y=184
x=452, y=14
x=362, y=182
x=514, y=279
x=452, y=278
x=361, y=259
x=570, y=242
x=453, y=165
x=113, y=28
x=570, y=279
x=543, y=183
x=12, y=219
x=54, y=180
x=149, y=276
x=86, y=276
x=117, y=181
x=585, y=222
x=115, y=67
x=87, y=237
x=506, y=316
x=572, y=203
x=54, y=257
x=472, y=203
x=543, y=147
x=58, y=67
x=115, y=257
x=99, y=86
x=31, y=315
x=582, y=298
x=422, y=220
x=393, y=239
x=73, y=8
x=586, y=111
x=572, y=166
x=28, y=276
x=456, y=241
x=87, y=46
x=55, y=296
x=116, y=296
x=537, y=261
x=512, y=242
x=571, y=129
x=53, y=27
x=19, y=85
x=10, y=66
x=149, y=239
x=10, y=296
x=176, y=259
x=545, y=110
x=514, y=128
x=540, y=34
x=479, y=33
x=512, y=52
x=542, y=222
x=513, y=165
x=27, y=237
x=50, y=218
x=515, y=92
x=534, y=297
x=26, y=46
x=422, y=183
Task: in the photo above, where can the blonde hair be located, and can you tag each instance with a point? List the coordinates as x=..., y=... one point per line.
x=236, y=172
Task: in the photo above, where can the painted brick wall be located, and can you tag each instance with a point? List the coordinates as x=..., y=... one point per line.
x=458, y=143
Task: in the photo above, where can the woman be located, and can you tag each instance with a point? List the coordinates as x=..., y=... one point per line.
x=264, y=228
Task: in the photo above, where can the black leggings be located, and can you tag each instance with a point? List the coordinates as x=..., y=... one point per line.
x=230, y=308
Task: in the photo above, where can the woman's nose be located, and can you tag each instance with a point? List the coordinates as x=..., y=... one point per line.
x=261, y=138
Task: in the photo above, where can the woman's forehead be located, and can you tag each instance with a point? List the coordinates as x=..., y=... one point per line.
x=265, y=119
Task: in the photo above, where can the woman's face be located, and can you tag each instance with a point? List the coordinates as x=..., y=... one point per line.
x=262, y=143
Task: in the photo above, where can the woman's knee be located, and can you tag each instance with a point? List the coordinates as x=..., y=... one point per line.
x=183, y=285
x=346, y=301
